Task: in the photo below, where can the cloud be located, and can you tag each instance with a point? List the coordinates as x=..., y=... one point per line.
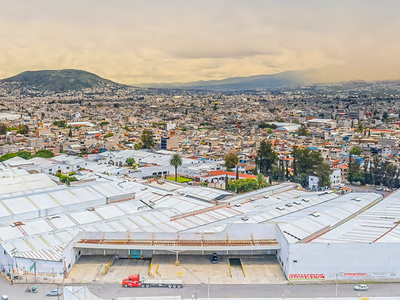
x=151, y=41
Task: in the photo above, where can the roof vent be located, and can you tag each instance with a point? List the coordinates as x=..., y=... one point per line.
x=297, y=203
x=305, y=200
x=91, y=209
x=315, y=214
x=252, y=199
x=245, y=218
x=358, y=199
x=280, y=208
x=266, y=197
x=288, y=204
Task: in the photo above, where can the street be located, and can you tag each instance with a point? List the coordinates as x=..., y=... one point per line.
x=254, y=291
x=113, y=290
x=17, y=291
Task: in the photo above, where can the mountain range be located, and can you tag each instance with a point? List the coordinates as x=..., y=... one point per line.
x=59, y=81
x=244, y=83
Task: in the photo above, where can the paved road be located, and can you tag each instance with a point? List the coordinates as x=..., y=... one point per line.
x=366, y=189
x=17, y=291
x=254, y=291
x=112, y=290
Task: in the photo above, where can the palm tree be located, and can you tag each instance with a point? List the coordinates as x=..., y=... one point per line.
x=176, y=161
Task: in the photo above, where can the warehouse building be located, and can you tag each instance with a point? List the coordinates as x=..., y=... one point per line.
x=314, y=235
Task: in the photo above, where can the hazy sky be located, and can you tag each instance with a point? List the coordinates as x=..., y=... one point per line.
x=132, y=41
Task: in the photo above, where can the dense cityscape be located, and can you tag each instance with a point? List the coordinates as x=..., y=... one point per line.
x=199, y=150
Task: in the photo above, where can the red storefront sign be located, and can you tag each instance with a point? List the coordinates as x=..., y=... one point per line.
x=306, y=276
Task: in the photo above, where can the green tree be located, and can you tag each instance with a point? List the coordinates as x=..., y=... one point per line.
x=385, y=116
x=243, y=185
x=103, y=123
x=44, y=154
x=262, y=182
x=23, y=129
x=307, y=161
x=7, y=156
x=360, y=128
x=130, y=161
x=266, y=158
x=354, y=171
x=323, y=173
x=70, y=133
x=302, y=131
x=147, y=139
x=270, y=131
x=176, y=161
x=3, y=129
x=138, y=146
x=231, y=160
x=355, y=151
x=25, y=154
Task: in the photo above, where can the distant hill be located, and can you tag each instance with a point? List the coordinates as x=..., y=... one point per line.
x=245, y=83
x=58, y=81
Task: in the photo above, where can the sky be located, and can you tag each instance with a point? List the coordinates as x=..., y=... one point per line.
x=135, y=41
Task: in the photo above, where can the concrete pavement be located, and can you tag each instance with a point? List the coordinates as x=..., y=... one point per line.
x=251, y=291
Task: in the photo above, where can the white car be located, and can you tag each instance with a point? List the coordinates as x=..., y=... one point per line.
x=361, y=287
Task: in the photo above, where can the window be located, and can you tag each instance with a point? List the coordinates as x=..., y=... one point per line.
x=67, y=168
x=295, y=261
x=50, y=170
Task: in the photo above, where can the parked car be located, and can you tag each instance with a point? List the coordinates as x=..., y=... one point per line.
x=379, y=188
x=361, y=287
x=55, y=292
x=214, y=258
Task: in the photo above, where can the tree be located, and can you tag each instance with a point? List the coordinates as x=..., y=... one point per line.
x=176, y=161
x=385, y=116
x=262, y=182
x=323, y=173
x=231, y=160
x=354, y=170
x=70, y=133
x=24, y=154
x=266, y=158
x=3, y=129
x=270, y=131
x=23, y=129
x=355, y=151
x=44, y=154
x=243, y=185
x=7, y=156
x=306, y=163
x=302, y=131
x=130, y=161
x=147, y=139
x=138, y=146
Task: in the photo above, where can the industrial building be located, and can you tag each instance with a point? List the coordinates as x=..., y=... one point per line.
x=45, y=229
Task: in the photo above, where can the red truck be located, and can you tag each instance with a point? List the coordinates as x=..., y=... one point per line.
x=134, y=281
